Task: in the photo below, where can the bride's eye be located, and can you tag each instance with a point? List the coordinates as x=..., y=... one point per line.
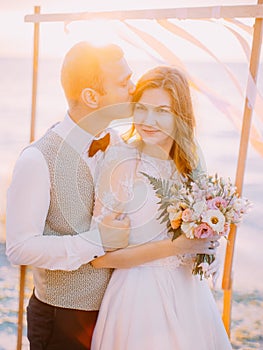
x=140, y=107
x=163, y=110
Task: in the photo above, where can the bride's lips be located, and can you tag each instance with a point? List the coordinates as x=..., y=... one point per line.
x=150, y=131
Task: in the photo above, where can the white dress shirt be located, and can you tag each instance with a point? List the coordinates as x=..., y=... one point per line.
x=28, y=201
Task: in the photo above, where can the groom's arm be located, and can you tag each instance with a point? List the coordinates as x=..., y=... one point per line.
x=27, y=208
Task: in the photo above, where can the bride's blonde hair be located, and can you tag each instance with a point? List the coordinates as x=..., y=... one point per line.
x=183, y=151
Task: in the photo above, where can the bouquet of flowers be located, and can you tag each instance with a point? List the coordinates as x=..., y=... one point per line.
x=199, y=208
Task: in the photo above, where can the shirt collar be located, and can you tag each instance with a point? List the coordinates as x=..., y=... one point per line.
x=75, y=136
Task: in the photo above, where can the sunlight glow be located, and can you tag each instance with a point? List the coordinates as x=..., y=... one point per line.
x=97, y=32
x=56, y=38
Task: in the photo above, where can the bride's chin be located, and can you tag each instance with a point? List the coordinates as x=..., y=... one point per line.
x=149, y=141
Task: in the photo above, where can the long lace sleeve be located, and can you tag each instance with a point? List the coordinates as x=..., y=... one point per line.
x=113, y=187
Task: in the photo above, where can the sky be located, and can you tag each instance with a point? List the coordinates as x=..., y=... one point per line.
x=16, y=36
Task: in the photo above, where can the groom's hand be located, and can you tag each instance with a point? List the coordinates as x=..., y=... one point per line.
x=114, y=231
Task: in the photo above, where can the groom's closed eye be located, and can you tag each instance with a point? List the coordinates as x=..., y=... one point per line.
x=125, y=81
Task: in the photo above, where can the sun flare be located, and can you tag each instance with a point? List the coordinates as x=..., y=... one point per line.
x=97, y=32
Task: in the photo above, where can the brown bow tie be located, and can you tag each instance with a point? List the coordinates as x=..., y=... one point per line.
x=99, y=145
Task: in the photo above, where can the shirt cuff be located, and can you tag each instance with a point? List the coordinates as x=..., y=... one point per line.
x=93, y=238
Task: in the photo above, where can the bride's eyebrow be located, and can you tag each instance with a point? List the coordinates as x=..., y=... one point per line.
x=163, y=106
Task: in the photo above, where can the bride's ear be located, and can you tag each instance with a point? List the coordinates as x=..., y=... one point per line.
x=90, y=97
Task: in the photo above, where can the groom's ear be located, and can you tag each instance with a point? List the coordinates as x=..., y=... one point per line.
x=90, y=97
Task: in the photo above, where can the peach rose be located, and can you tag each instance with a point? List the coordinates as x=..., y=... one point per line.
x=175, y=218
x=187, y=215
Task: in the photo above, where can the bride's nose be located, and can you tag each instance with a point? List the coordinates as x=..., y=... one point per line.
x=150, y=118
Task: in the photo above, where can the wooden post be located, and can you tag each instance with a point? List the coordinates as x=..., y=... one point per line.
x=35, y=74
x=247, y=116
x=21, y=307
x=32, y=137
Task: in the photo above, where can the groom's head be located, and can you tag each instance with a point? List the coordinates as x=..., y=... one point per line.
x=94, y=77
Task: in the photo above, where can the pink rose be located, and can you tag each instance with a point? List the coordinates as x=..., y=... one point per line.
x=187, y=215
x=216, y=203
x=203, y=231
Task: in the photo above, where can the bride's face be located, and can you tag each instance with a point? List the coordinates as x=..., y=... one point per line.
x=153, y=118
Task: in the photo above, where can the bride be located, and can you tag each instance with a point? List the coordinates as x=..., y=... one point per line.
x=158, y=304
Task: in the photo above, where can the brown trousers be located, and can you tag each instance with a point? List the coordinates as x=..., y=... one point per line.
x=55, y=328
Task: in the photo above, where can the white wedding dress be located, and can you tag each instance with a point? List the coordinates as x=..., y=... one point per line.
x=159, y=305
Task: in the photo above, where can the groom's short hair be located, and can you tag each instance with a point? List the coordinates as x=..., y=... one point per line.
x=82, y=68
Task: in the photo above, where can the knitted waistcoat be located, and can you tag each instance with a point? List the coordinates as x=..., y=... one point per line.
x=70, y=212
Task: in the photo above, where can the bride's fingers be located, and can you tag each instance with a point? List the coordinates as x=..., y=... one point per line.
x=214, y=244
x=116, y=219
x=211, y=245
x=209, y=251
x=215, y=238
x=212, y=240
x=198, y=246
x=205, y=247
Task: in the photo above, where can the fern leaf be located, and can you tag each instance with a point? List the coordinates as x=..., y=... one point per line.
x=176, y=233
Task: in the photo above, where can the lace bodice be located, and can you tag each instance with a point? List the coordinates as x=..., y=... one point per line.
x=121, y=186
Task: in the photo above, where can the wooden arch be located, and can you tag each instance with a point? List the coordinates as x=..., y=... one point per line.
x=226, y=12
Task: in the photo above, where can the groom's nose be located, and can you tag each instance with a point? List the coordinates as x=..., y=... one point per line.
x=131, y=87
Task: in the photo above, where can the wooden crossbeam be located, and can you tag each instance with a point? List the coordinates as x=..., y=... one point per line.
x=241, y=11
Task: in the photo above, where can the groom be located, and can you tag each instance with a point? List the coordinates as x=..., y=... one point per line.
x=50, y=203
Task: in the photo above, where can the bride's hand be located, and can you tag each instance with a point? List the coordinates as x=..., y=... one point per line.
x=114, y=231
x=184, y=245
